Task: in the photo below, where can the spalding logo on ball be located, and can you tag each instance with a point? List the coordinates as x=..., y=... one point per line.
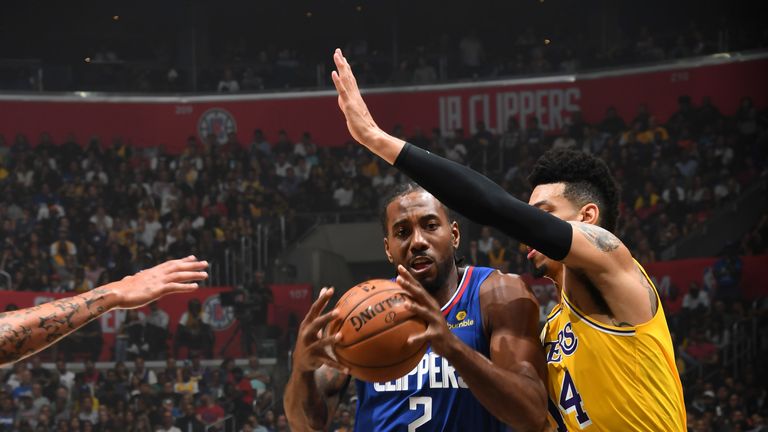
x=375, y=326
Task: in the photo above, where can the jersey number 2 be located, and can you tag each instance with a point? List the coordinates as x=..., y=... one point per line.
x=570, y=401
x=413, y=403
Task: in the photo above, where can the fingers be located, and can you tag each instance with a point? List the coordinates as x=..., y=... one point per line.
x=328, y=361
x=188, y=276
x=422, y=312
x=419, y=339
x=318, y=323
x=414, y=288
x=180, y=287
x=319, y=304
x=343, y=78
x=337, y=83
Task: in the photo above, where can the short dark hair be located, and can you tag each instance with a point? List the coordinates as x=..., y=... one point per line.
x=587, y=180
x=398, y=191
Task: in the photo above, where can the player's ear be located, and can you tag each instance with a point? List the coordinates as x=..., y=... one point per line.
x=590, y=214
x=386, y=251
x=455, y=235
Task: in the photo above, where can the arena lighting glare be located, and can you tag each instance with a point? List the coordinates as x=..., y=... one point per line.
x=87, y=59
x=359, y=8
x=309, y=14
x=115, y=17
x=547, y=41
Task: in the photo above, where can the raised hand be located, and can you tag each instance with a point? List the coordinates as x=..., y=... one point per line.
x=360, y=123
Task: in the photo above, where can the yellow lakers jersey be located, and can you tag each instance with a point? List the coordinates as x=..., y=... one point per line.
x=607, y=378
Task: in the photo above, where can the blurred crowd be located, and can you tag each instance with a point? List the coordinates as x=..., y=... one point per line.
x=674, y=173
x=76, y=214
x=179, y=397
x=241, y=64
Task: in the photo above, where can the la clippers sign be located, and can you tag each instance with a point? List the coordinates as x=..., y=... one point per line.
x=169, y=120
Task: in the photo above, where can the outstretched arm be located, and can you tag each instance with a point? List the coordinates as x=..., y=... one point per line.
x=26, y=331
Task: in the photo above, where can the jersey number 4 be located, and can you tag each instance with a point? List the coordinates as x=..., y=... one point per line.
x=570, y=401
x=413, y=403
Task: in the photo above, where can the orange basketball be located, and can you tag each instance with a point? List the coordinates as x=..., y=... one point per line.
x=375, y=326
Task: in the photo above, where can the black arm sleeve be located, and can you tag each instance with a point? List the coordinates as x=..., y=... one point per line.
x=483, y=201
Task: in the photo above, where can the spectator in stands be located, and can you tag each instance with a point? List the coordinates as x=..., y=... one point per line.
x=228, y=83
x=260, y=145
x=475, y=256
x=86, y=410
x=424, y=73
x=695, y=298
x=143, y=374
x=485, y=242
x=727, y=271
x=302, y=147
x=471, y=54
x=185, y=382
x=209, y=411
x=498, y=257
x=189, y=421
x=194, y=331
x=344, y=194
x=167, y=423
x=7, y=414
x=87, y=340
x=612, y=124
x=156, y=330
x=66, y=378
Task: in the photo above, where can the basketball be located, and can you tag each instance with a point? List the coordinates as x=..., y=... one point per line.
x=375, y=326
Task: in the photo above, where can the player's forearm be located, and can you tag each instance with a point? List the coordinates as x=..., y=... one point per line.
x=306, y=408
x=383, y=144
x=26, y=331
x=480, y=199
x=517, y=397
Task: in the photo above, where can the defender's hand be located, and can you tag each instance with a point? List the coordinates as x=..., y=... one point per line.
x=175, y=276
x=311, y=346
x=424, y=306
x=359, y=120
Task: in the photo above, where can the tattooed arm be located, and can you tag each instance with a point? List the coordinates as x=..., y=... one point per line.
x=317, y=381
x=603, y=259
x=26, y=331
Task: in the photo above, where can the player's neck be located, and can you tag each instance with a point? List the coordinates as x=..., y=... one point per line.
x=557, y=277
x=451, y=284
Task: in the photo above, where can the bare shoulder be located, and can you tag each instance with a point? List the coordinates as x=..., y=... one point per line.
x=507, y=303
x=505, y=287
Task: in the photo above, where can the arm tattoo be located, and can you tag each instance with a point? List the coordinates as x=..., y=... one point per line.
x=30, y=330
x=651, y=292
x=599, y=237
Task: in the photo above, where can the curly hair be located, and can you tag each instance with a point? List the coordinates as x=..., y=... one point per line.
x=587, y=180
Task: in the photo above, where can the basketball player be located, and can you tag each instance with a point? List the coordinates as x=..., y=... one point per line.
x=24, y=332
x=484, y=365
x=610, y=358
